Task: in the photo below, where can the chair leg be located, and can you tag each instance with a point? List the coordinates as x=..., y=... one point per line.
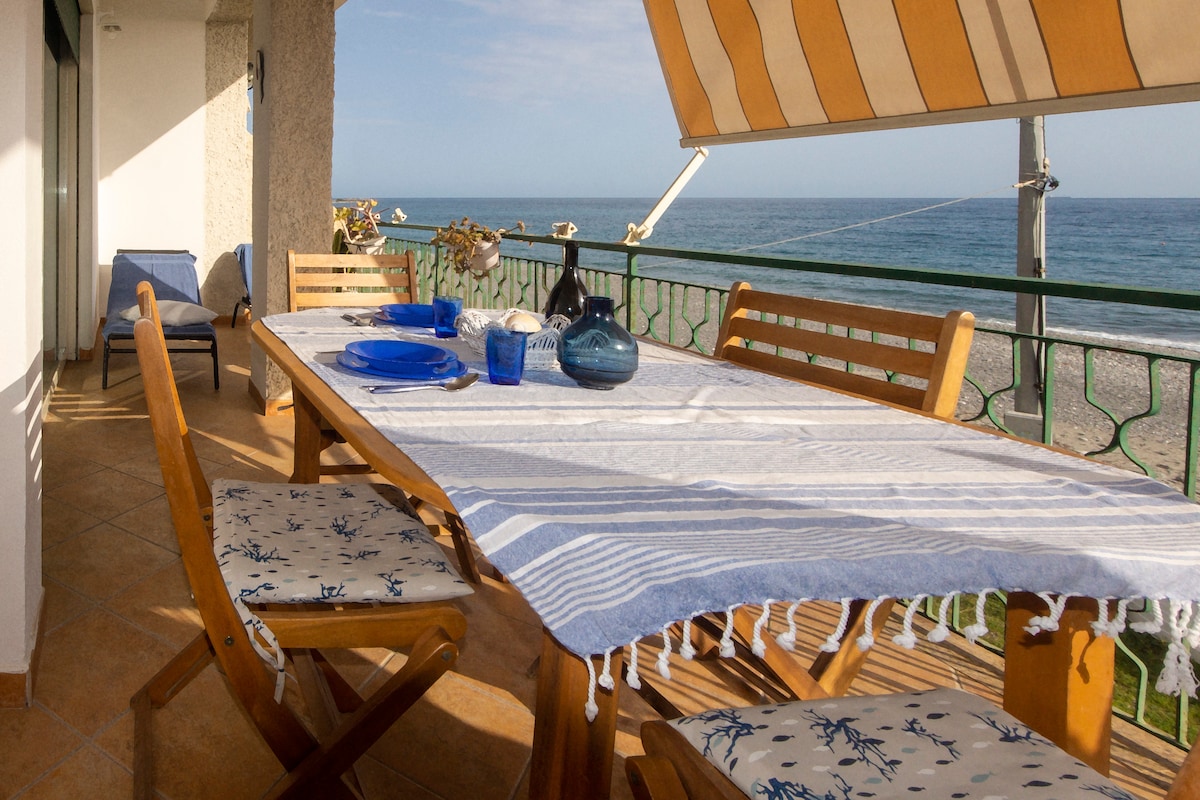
x=432, y=655
x=104, y=369
x=653, y=778
x=158, y=691
x=462, y=548
x=216, y=366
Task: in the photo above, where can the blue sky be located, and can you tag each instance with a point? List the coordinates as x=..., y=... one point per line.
x=564, y=98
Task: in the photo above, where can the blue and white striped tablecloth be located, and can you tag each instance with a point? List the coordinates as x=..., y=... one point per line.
x=699, y=486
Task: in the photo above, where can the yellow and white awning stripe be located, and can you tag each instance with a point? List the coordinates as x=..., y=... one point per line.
x=746, y=70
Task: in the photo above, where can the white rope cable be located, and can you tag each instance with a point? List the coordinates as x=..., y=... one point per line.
x=1050, y=621
x=1118, y=624
x=757, y=645
x=1193, y=634
x=274, y=657
x=590, y=709
x=663, y=665
x=631, y=675
x=1153, y=625
x=1177, y=675
x=606, y=679
x=727, y=650
x=973, y=632
x=833, y=643
x=867, y=638
x=942, y=629
x=862, y=224
x=906, y=638
x=1103, y=624
x=787, y=639
x=686, y=648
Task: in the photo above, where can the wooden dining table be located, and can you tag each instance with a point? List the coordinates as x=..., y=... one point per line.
x=701, y=487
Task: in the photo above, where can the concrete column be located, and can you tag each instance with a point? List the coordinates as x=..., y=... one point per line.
x=293, y=155
x=21, y=62
x=228, y=178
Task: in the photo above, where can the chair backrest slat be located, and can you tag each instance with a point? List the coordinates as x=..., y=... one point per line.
x=317, y=280
x=814, y=340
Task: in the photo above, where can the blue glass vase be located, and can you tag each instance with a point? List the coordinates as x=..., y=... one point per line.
x=595, y=350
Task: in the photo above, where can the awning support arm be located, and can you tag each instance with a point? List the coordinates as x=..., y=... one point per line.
x=638, y=232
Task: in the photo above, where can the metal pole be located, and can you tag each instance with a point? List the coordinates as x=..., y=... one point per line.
x=1026, y=419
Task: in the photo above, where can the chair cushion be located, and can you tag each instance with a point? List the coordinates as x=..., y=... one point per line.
x=942, y=743
x=174, y=313
x=332, y=543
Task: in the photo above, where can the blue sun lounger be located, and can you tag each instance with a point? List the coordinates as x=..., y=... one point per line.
x=177, y=288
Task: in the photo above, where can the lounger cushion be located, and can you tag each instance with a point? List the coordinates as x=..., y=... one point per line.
x=174, y=313
x=942, y=743
x=333, y=543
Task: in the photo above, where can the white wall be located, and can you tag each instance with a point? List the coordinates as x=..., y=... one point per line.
x=21, y=58
x=151, y=113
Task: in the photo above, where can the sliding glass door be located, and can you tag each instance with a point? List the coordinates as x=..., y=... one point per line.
x=60, y=170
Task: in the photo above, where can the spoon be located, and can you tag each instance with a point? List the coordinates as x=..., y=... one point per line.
x=453, y=385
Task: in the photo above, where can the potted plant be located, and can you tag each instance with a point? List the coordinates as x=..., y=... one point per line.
x=356, y=228
x=471, y=246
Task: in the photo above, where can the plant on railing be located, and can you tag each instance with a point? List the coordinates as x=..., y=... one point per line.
x=356, y=228
x=471, y=246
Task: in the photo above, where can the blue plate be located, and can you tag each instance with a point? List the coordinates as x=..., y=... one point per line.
x=400, y=357
x=416, y=314
x=446, y=372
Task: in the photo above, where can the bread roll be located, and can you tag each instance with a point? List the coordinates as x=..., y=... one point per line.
x=523, y=322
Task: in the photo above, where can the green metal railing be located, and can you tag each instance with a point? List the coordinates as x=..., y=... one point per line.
x=688, y=315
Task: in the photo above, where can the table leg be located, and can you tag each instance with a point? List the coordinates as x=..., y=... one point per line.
x=306, y=465
x=572, y=758
x=1060, y=683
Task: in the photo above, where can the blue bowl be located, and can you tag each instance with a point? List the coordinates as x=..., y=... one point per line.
x=402, y=358
x=415, y=314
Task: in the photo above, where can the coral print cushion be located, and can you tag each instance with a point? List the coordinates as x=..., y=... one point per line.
x=289, y=543
x=943, y=743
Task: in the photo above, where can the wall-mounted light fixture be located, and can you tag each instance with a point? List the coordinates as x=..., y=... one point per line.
x=109, y=24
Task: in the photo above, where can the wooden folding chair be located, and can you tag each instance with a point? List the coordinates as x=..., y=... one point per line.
x=936, y=744
x=320, y=280
x=288, y=570
x=907, y=359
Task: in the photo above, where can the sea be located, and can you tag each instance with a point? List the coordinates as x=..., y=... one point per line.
x=1129, y=242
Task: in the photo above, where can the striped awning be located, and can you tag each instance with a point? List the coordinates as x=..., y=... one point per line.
x=747, y=70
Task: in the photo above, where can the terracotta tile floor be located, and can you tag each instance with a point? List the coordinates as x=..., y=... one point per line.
x=117, y=607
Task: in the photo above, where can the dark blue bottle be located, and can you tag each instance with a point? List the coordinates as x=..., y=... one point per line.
x=568, y=295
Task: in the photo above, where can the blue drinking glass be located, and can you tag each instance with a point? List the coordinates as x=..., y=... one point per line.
x=505, y=356
x=445, y=312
